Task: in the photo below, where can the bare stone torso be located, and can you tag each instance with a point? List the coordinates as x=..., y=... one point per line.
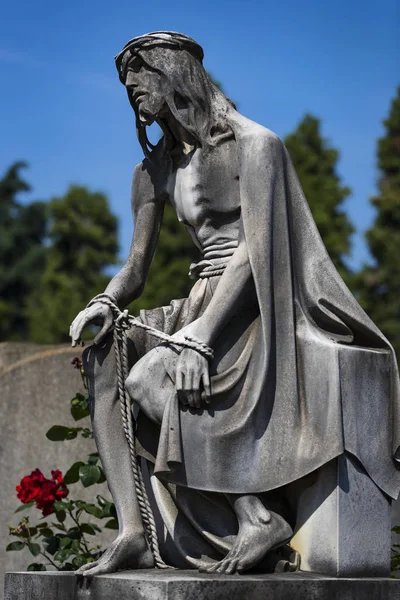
x=204, y=190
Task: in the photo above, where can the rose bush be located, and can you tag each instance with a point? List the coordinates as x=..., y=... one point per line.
x=64, y=543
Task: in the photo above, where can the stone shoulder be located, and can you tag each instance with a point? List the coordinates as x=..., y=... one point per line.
x=254, y=134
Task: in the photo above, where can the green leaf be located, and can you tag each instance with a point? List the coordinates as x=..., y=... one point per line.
x=112, y=524
x=63, y=505
x=103, y=502
x=34, y=548
x=87, y=433
x=62, y=554
x=93, y=459
x=89, y=528
x=25, y=506
x=59, y=433
x=61, y=515
x=51, y=544
x=74, y=534
x=108, y=507
x=80, y=407
x=79, y=561
x=76, y=546
x=15, y=546
x=102, y=476
x=46, y=532
x=72, y=475
x=36, y=567
x=89, y=475
x=59, y=526
x=94, y=510
x=31, y=531
x=396, y=529
x=65, y=542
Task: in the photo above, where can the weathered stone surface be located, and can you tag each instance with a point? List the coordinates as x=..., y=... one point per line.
x=190, y=585
x=294, y=372
x=37, y=384
x=338, y=516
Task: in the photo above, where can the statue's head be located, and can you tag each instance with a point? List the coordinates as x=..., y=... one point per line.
x=164, y=75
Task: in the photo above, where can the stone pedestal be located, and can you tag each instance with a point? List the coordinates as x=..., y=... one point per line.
x=343, y=524
x=190, y=585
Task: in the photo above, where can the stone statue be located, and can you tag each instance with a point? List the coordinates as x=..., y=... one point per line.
x=268, y=371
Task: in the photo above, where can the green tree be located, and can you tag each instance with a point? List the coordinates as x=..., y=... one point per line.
x=316, y=165
x=379, y=284
x=82, y=244
x=22, y=230
x=168, y=275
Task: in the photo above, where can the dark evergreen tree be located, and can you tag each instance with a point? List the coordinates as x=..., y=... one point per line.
x=82, y=244
x=379, y=284
x=316, y=165
x=22, y=230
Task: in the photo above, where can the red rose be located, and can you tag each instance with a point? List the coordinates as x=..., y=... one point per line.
x=57, y=476
x=42, y=490
x=29, y=486
x=76, y=362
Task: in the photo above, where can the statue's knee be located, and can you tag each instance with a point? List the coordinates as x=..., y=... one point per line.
x=135, y=385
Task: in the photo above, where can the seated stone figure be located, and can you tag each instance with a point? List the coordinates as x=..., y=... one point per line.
x=244, y=394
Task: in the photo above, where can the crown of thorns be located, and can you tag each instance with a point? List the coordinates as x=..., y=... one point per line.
x=151, y=40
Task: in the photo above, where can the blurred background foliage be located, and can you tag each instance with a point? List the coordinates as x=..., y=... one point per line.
x=55, y=256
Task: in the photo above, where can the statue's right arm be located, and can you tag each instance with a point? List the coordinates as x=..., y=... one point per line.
x=128, y=284
x=147, y=212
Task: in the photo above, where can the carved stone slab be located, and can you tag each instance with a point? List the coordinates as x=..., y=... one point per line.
x=191, y=585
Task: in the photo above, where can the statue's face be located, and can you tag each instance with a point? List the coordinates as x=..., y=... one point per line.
x=144, y=87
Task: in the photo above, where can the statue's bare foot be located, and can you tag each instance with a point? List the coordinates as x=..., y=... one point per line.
x=126, y=552
x=254, y=540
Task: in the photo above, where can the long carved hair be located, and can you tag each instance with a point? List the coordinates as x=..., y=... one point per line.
x=194, y=100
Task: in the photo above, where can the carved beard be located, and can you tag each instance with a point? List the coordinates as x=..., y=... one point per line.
x=149, y=108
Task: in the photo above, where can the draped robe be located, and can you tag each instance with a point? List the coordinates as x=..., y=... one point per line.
x=299, y=378
x=310, y=377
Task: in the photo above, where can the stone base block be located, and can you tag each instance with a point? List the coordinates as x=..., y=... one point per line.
x=343, y=522
x=191, y=585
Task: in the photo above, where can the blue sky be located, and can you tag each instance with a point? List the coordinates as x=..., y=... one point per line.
x=63, y=110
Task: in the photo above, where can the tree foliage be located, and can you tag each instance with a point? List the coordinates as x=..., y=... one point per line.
x=22, y=230
x=379, y=284
x=82, y=240
x=316, y=165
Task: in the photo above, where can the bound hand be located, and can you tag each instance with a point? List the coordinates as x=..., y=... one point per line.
x=98, y=314
x=192, y=378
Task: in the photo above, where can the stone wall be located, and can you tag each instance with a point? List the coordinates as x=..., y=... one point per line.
x=36, y=386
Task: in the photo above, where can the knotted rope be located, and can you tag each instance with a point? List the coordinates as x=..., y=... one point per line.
x=123, y=321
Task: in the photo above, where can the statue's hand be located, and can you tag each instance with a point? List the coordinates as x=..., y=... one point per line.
x=192, y=378
x=97, y=314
